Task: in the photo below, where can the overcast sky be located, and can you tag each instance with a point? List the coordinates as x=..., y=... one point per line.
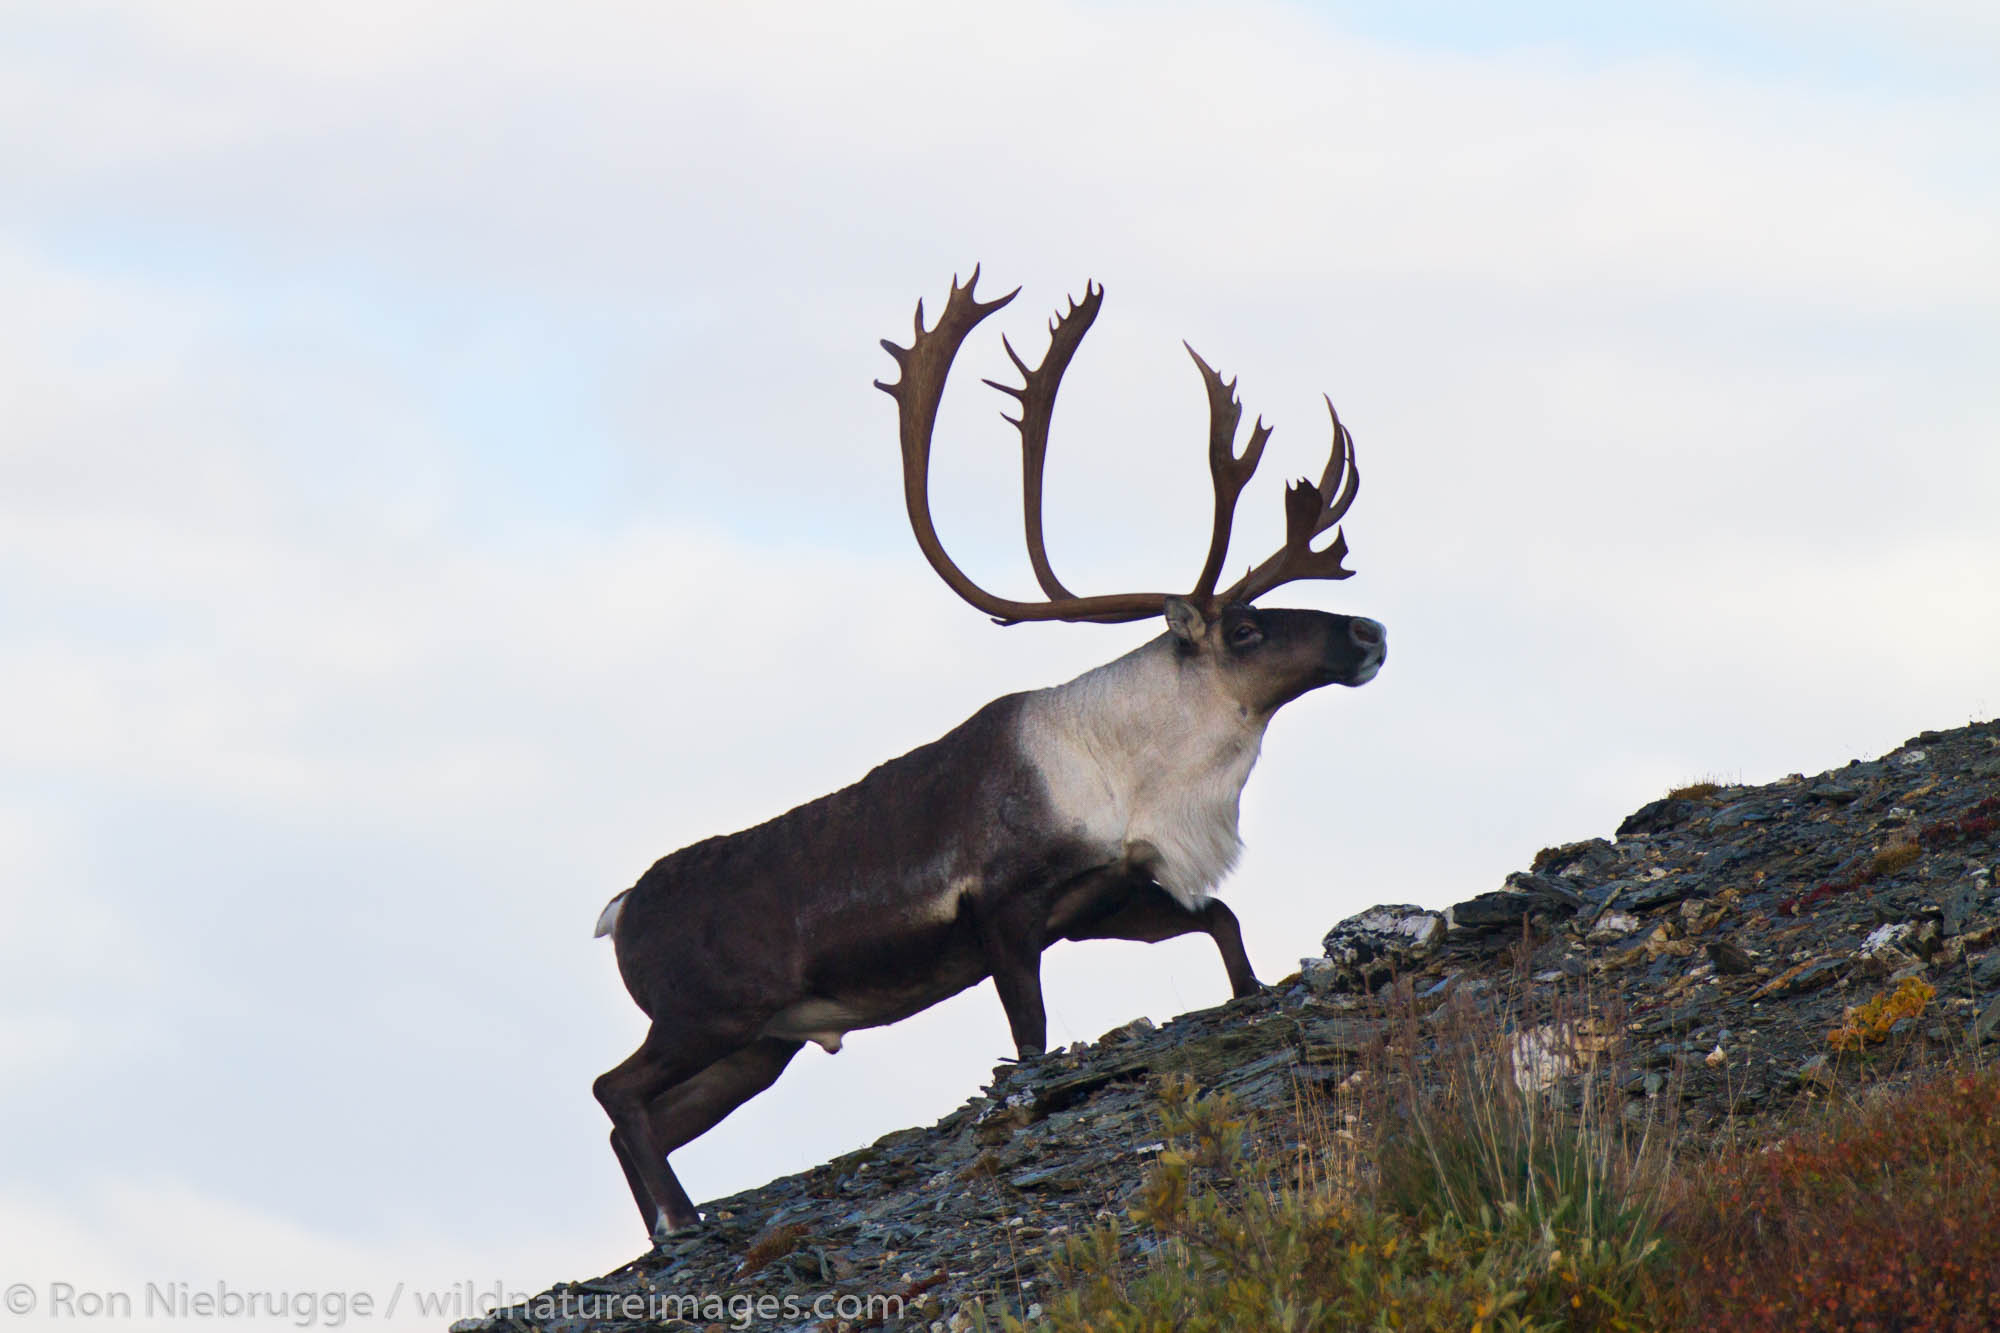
x=439, y=474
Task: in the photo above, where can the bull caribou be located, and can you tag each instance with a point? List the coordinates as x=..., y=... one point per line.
x=1103, y=808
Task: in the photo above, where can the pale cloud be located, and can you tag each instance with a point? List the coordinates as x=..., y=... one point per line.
x=156, y=1243
x=1962, y=33
x=1261, y=141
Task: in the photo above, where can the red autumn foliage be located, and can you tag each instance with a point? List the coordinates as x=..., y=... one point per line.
x=1875, y=1220
x=1977, y=822
x=1816, y=895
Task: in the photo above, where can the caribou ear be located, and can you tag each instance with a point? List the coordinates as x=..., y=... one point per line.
x=1185, y=620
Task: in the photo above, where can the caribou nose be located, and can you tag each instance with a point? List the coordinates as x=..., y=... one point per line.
x=1365, y=633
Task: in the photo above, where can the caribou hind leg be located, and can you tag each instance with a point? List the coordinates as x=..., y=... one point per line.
x=683, y=1112
x=648, y=1210
x=1152, y=914
x=663, y=1062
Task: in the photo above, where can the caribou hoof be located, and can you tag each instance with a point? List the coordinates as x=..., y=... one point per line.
x=1025, y=1066
x=666, y=1231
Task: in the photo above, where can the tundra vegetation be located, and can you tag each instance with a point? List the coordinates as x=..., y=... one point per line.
x=1454, y=1193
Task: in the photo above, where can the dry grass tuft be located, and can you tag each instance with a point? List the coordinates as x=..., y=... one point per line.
x=1893, y=857
x=770, y=1247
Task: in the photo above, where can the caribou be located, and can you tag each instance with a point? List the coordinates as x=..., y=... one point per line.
x=1102, y=808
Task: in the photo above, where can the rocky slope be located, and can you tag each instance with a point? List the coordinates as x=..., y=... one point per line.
x=1757, y=945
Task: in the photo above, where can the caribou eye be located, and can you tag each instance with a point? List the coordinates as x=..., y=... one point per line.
x=1246, y=635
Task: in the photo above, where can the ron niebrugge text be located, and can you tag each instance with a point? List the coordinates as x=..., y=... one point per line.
x=329, y=1308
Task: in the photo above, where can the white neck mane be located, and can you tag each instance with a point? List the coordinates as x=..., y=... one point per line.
x=1147, y=756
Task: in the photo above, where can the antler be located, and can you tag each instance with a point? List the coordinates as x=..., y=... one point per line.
x=1037, y=396
x=1309, y=511
x=1228, y=472
x=926, y=362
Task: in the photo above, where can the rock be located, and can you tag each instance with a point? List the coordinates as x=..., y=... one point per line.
x=1613, y=926
x=1527, y=897
x=1806, y=977
x=1370, y=947
x=1926, y=940
x=1545, y=887
x=1756, y=810
x=997, y=1123
x=1959, y=906
x=1985, y=973
x=1662, y=892
x=1988, y=1021
x=1061, y=1093
x=1338, y=1041
x=1881, y=954
x=1666, y=813
x=1048, y=1178
x=1588, y=861
x=1503, y=908
x=1719, y=859
x=1729, y=959
x=1132, y=1031
x=1322, y=975
x=1682, y=1019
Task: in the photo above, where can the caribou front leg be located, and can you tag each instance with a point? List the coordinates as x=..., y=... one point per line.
x=1152, y=914
x=1010, y=937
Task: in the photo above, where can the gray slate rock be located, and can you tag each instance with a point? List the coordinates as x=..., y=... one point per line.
x=1370, y=947
x=1663, y=892
x=1666, y=813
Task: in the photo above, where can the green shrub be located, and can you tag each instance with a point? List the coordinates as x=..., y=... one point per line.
x=1240, y=1241
x=1523, y=1122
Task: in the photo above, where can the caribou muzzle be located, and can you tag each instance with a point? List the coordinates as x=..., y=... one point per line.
x=1356, y=661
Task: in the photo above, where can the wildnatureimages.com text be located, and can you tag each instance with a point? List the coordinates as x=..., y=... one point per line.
x=308, y=1308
